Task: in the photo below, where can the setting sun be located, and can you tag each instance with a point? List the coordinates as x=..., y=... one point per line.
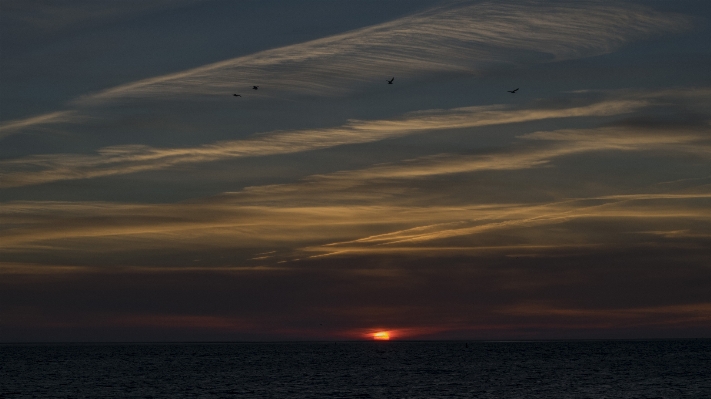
x=381, y=335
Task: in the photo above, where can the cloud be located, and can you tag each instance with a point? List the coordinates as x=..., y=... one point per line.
x=9, y=127
x=560, y=143
x=358, y=210
x=551, y=230
x=457, y=37
x=283, y=228
x=609, y=290
x=643, y=316
x=382, y=209
x=472, y=222
x=125, y=159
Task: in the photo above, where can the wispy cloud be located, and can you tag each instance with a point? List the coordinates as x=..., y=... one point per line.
x=83, y=229
x=10, y=127
x=459, y=37
x=557, y=144
x=641, y=316
x=373, y=210
x=496, y=218
x=125, y=159
x=522, y=216
x=342, y=216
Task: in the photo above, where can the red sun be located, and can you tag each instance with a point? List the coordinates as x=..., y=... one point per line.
x=381, y=336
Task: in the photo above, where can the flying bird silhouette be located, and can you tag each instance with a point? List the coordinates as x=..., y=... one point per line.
x=513, y=91
x=237, y=95
x=255, y=87
x=390, y=81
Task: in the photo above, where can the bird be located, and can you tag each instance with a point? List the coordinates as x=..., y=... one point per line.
x=513, y=91
x=237, y=95
x=390, y=81
x=255, y=87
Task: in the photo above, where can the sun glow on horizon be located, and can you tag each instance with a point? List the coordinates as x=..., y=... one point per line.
x=381, y=336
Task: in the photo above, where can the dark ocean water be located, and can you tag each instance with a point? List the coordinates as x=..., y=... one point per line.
x=614, y=369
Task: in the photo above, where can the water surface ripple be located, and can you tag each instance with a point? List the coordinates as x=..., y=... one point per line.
x=593, y=369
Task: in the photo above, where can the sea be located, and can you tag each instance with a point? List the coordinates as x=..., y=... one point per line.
x=387, y=369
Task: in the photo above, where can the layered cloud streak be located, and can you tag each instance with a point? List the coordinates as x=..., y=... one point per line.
x=153, y=206
x=462, y=38
x=117, y=160
x=455, y=38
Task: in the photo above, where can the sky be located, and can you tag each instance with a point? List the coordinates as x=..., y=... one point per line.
x=141, y=200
